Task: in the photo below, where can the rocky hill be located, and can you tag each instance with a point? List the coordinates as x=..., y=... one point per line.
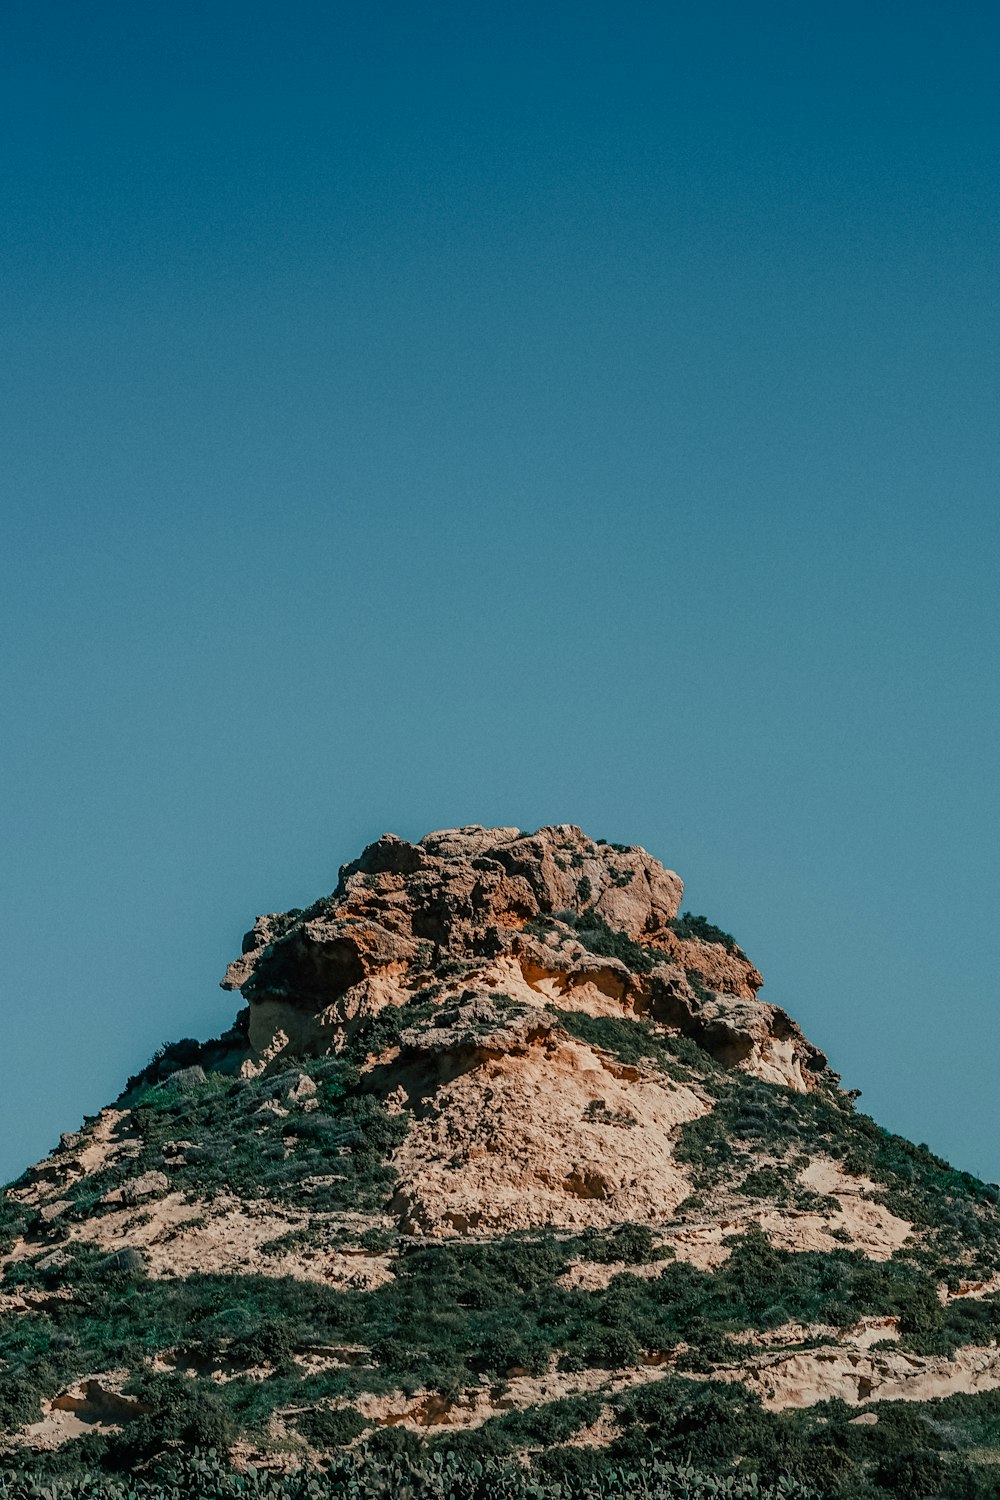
x=503, y=1158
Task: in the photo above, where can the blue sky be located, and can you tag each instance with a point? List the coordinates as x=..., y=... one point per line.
x=424, y=415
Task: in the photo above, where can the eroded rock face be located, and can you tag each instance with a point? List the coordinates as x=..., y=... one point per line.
x=513, y=1140
x=486, y=935
x=571, y=922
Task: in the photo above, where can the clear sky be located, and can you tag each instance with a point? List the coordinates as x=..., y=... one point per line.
x=415, y=415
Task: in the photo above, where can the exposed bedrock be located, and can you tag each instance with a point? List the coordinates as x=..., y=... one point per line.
x=551, y=918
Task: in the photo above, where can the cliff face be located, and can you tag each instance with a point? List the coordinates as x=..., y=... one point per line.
x=501, y=1137
x=500, y=931
x=550, y=918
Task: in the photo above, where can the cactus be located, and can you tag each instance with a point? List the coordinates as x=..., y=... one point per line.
x=362, y=1475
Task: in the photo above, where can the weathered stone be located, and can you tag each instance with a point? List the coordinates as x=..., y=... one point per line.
x=146, y=1185
x=56, y=1260
x=473, y=896
x=299, y=1088
x=126, y=1262
x=49, y=1212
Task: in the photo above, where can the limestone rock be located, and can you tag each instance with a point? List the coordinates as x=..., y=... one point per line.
x=146, y=1185
x=571, y=915
x=49, y=1212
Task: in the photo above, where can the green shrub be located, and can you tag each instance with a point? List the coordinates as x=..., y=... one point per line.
x=395, y=1463
x=913, y=1475
x=182, y=1410
x=765, y=1182
x=956, y=1211
x=613, y=1348
x=241, y=1146
x=20, y=1401
x=606, y=942
x=331, y=1429
x=12, y=1221
x=687, y=925
x=635, y=1244
x=635, y=1041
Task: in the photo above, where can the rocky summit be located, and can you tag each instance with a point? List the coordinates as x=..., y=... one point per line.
x=504, y=1179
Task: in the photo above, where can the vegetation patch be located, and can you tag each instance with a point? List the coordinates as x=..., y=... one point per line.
x=677, y=1440
x=637, y=1041
x=912, y=1452
x=599, y=938
x=254, y=1139
x=386, y=1471
x=687, y=925
x=456, y=1313
x=957, y=1213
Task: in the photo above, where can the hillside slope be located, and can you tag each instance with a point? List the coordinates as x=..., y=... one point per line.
x=505, y=1156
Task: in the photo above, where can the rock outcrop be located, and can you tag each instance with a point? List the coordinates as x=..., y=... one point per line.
x=551, y=916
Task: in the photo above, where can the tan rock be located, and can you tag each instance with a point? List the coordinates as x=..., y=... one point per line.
x=469, y=895
x=146, y=1185
x=858, y=1376
x=506, y=1142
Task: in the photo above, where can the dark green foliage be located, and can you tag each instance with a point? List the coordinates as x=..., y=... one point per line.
x=169, y=1059
x=536, y=1427
x=635, y=1244
x=458, y=1315
x=375, y=1034
x=606, y=942
x=612, y=1348
x=913, y=1476
x=609, y=942
x=455, y=1311
x=591, y=929
x=181, y=1411
x=598, y=1113
x=174, y=1056
x=705, y=1424
x=398, y=1465
x=334, y=1155
x=631, y=1041
x=765, y=1182
x=687, y=1051
x=109, y=1323
x=377, y=1241
x=969, y=1320
x=687, y=925
x=584, y=890
x=12, y=1221
x=20, y=1399
x=679, y=1440
x=331, y=1429
x=635, y=1041
x=956, y=1210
